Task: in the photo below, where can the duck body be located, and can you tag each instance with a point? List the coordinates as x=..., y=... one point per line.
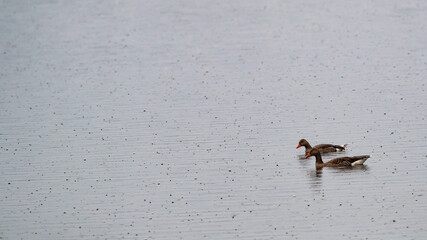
x=323, y=148
x=337, y=162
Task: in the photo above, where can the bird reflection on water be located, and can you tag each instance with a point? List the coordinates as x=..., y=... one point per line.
x=353, y=168
x=315, y=174
x=315, y=178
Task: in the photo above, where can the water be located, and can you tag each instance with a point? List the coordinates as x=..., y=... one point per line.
x=179, y=119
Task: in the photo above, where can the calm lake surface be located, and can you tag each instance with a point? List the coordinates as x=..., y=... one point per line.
x=179, y=119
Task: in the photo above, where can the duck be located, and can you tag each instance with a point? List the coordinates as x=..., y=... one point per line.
x=323, y=148
x=337, y=162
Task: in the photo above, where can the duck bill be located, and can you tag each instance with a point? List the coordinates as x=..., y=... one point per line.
x=299, y=145
x=308, y=155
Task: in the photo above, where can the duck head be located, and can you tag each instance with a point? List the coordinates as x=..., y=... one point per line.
x=313, y=152
x=302, y=142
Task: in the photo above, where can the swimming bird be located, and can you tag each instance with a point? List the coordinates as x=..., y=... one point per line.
x=337, y=162
x=323, y=148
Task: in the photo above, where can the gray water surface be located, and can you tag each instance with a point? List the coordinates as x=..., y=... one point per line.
x=179, y=119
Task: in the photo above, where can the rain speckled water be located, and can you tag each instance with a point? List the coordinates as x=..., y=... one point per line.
x=179, y=119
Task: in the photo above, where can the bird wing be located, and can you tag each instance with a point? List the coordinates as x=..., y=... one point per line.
x=347, y=160
x=343, y=161
x=323, y=146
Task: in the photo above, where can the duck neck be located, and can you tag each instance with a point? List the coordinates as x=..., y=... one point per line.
x=319, y=159
x=307, y=145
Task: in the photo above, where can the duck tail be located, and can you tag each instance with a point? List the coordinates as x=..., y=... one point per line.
x=362, y=159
